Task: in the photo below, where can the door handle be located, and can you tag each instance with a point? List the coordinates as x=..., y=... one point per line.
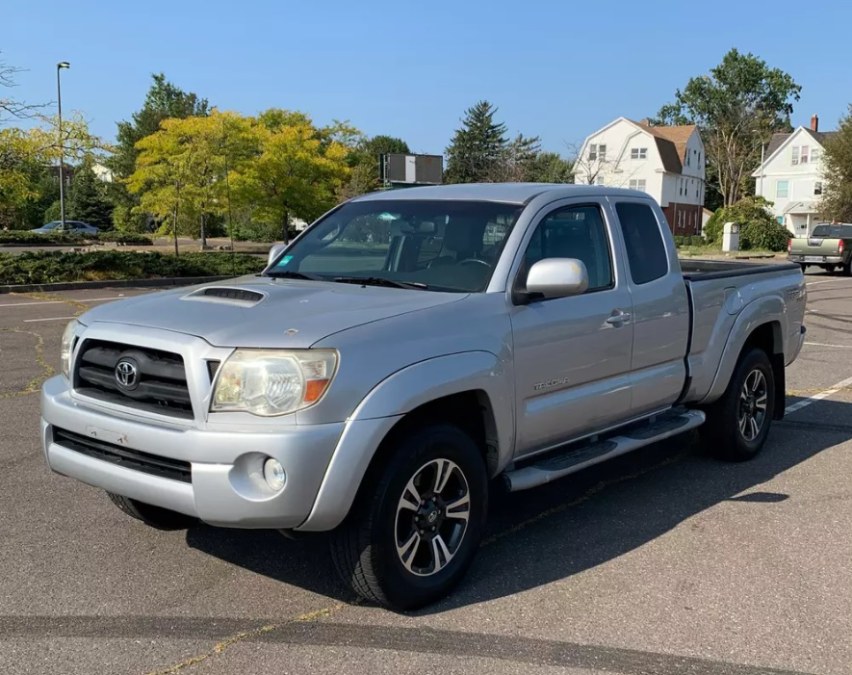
x=619, y=318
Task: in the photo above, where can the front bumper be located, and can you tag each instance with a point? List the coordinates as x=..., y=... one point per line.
x=227, y=487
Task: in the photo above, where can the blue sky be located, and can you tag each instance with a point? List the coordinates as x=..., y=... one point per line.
x=554, y=69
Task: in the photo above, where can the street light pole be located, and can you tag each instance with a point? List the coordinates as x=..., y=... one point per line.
x=59, y=67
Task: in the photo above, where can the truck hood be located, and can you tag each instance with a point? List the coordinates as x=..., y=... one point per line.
x=266, y=313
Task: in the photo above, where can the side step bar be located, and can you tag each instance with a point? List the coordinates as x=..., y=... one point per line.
x=574, y=458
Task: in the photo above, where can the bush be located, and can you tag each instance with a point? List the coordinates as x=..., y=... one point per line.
x=764, y=236
x=747, y=211
x=46, y=267
x=696, y=240
x=678, y=240
x=35, y=238
x=125, y=238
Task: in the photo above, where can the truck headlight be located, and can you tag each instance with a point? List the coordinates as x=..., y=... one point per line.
x=66, y=346
x=273, y=382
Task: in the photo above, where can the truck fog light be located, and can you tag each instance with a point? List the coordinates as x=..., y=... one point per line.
x=274, y=474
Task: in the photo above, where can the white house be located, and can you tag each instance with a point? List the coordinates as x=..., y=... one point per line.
x=665, y=161
x=790, y=177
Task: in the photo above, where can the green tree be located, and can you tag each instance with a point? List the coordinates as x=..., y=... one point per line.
x=758, y=229
x=87, y=200
x=163, y=101
x=297, y=171
x=550, y=167
x=737, y=107
x=837, y=168
x=478, y=149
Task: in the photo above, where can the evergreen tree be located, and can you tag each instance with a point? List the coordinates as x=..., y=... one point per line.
x=87, y=200
x=477, y=150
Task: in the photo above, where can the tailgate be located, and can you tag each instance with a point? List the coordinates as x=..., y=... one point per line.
x=815, y=246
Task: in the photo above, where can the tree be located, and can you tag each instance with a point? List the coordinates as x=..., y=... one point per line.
x=11, y=107
x=182, y=169
x=550, y=167
x=87, y=200
x=297, y=171
x=836, y=202
x=586, y=167
x=164, y=100
x=747, y=211
x=478, y=148
x=737, y=107
x=516, y=160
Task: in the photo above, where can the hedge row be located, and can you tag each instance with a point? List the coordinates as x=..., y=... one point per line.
x=689, y=240
x=46, y=267
x=71, y=238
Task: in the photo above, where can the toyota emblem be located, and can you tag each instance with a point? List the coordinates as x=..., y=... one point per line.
x=127, y=374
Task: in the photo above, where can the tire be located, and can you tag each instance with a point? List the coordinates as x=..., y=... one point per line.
x=830, y=269
x=388, y=549
x=154, y=516
x=847, y=268
x=738, y=423
x=804, y=267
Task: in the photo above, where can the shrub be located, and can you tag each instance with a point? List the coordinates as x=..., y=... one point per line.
x=746, y=211
x=35, y=238
x=678, y=240
x=765, y=236
x=125, y=238
x=45, y=267
x=696, y=240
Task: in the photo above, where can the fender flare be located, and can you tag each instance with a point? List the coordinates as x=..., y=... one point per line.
x=767, y=310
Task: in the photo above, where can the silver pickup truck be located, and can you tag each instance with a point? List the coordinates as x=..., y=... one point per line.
x=409, y=353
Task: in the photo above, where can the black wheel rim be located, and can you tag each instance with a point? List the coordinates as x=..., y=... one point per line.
x=431, y=517
x=754, y=398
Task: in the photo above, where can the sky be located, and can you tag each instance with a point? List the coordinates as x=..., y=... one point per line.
x=557, y=70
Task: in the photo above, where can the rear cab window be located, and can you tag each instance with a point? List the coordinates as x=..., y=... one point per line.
x=647, y=257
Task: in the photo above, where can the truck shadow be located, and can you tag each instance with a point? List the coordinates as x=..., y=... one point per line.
x=561, y=529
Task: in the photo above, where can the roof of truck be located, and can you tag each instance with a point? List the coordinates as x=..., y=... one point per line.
x=512, y=193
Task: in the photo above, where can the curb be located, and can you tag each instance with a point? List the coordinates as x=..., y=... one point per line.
x=119, y=283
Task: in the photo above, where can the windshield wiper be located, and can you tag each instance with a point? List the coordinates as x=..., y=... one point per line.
x=382, y=281
x=290, y=274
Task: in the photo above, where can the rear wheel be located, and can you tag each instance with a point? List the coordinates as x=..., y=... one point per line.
x=738, y=423
x=847, y=268
x=155, y=516
x=831, y=269
x=410, y=538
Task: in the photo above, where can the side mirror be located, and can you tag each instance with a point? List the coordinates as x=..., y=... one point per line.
x=557, y=278
x=274, y=252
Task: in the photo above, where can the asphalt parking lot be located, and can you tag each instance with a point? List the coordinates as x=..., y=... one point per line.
x=663, y=562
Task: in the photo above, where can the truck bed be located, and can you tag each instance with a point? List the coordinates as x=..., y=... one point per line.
x=699, y=270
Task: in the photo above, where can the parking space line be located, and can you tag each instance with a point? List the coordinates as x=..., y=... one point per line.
x=53, y=318
x=818, y=397
x=816, y=283
x=59, y=302
x=823, y=344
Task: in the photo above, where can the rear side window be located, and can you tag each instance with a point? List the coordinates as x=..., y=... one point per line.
x=646, y=252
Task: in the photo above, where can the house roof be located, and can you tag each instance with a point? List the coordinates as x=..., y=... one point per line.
x=780, y=139
x=671, y=142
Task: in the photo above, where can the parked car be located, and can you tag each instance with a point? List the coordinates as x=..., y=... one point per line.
x=405, y=351
x=71, y=226
x=828, y=247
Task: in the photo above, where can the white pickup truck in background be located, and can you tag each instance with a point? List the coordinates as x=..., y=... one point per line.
x=405, y=351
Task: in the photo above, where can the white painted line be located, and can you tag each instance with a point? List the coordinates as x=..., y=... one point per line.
x=816, y=283
x=53, y=318
x=59, y=302
x=824, y=344
x=818, y=397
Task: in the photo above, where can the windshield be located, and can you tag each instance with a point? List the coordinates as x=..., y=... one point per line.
x=428, y=244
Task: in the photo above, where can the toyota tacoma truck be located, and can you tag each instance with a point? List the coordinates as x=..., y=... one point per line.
x=828, y=247
x=408, y=354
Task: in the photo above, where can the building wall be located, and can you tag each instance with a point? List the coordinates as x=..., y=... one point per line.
x=684, y=219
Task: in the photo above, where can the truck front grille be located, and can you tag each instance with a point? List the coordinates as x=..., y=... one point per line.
x=137, y=377
x=130, y=459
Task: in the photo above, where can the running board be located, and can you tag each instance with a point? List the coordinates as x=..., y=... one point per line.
x=573, y=458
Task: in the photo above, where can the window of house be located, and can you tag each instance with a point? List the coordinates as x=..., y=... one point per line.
x=688, y=154
x=782, y=187
x=803, y=155
x=795, y=156
x=699, y=158
x=602, y=152
x=818, y=187
x=599, y=180
x=638, y=153
x=646, y=252
x=593, y=152
x=637, y=184
x=815, y=155
x=574, y=232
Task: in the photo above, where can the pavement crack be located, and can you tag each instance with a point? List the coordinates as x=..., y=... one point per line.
x=248, y=635
x=46, y=369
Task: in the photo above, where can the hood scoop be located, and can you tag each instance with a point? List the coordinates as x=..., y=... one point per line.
x=228, y=296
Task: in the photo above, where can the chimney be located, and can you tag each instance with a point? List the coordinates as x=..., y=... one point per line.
x=815, y=123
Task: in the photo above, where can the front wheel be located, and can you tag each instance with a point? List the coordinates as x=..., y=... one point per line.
x=411, y=537
x=738, y=423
